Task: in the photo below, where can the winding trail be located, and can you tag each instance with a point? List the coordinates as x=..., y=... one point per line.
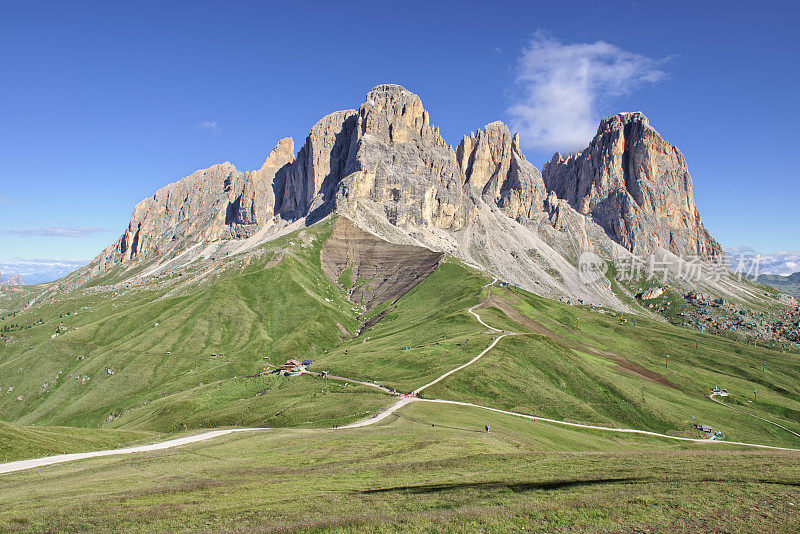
x=472, y=309
x=404, y=400
x=476, y=358
x=751, y=414
x=605, y=428
x=61, y=458
x=351, y=381
x=473, y=360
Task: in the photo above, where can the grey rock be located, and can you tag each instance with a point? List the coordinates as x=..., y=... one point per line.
x=652, y=293
x=399, y=160
x=256, y=204
x=319, y=165
x=636, y=186
x=496, y=169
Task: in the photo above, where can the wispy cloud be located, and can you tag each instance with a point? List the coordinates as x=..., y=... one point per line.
x=54, y=231
x=210, y=125
x=560, y=85
x=783, y=262
x=6, y=200
x=36, y=271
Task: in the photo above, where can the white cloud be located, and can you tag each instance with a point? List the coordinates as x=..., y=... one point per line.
x=54, y=231
x=210, y=125
x=36, y=271
x=783, y=262
x=561, y=84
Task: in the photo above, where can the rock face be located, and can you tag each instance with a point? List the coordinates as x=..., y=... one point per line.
x=197, y=206
x=636, y=185
x=13, y=280
x=496, y=170
x=320, y=163
x=256, y=203
x=398, y=159
x=387, y=167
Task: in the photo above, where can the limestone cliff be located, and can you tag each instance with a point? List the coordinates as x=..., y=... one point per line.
x=256, y=203
x=496, y=169
x=196, y=206
x=398, y=159
x=386, y=166
x=319, y=165
x=636, y=186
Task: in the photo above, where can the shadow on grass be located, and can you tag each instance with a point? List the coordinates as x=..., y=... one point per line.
x=521, y=487
x=517, y=487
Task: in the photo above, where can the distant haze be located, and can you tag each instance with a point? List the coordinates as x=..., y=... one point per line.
x=37, y=271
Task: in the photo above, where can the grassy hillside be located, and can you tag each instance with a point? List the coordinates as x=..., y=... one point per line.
x=20, y=442
x=573, y=363
x=787, y=284
x=115, y=364
x=410, y=476
x=181, y=362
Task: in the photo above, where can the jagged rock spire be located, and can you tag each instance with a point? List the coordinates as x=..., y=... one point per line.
x=387, y=157
x=636, y=185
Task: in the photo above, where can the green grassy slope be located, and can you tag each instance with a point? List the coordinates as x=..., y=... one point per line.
x=788, y=284
x=602, y=372
x=20, y=442
x=409, y=476
x=182, y=362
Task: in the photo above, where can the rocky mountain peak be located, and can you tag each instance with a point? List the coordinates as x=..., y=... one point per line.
x=13, y=280
x=320, y=164
x=386, y=166
x=636, y=185
x=256, y=203
x=394, y=114
x=495, y=169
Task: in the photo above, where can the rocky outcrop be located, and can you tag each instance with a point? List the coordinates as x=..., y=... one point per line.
x=636, y=186
x=496, y=169
x=651, y=293
x=320, y=164
x=13, y=280
x=197, y=207
x=398, y=160
x=386, y=166
x=256, y=203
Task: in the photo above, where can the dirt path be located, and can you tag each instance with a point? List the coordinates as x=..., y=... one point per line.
x=352, y=381
x=604, y=428
x=404, y=400
x=473, y=360
x=751, y=414
x=61, y=458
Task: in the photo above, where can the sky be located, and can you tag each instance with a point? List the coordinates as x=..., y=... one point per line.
x=105, y=102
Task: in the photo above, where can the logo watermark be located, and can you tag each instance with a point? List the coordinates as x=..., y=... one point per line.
x=592, y=268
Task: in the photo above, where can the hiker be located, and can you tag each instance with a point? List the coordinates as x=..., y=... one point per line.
x=487, y=427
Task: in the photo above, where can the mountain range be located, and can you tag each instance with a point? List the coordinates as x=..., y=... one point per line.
x=386, y=167
x=789, y=284
x=13, y=280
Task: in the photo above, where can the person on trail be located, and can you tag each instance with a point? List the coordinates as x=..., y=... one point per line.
x=487, y=427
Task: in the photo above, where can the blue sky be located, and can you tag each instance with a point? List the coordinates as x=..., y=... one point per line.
x=104, y=102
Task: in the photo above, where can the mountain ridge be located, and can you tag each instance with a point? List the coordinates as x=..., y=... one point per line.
x=387, y=168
